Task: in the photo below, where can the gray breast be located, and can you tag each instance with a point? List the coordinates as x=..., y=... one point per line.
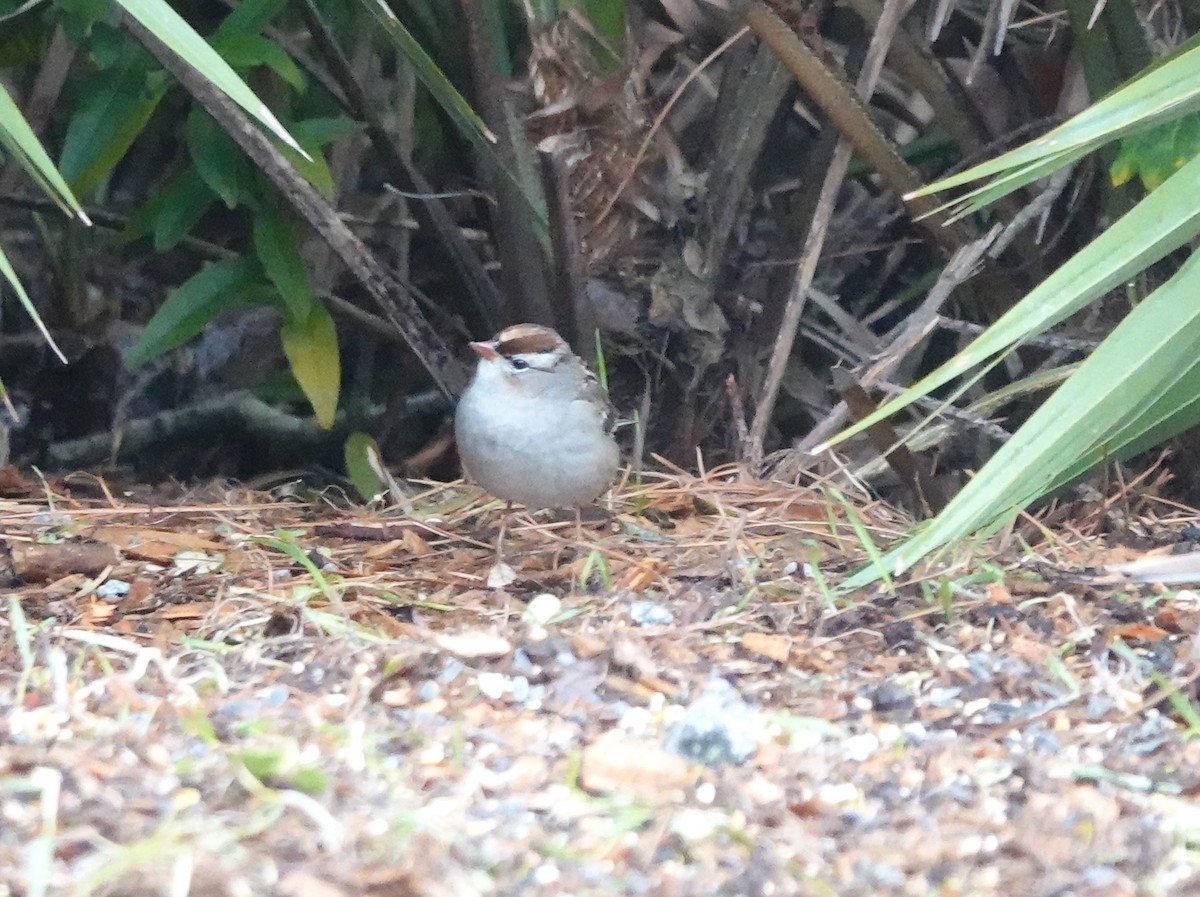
x=521, y=456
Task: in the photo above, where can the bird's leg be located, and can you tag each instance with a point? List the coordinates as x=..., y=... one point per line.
x=503, y=529
x=501, y=574
x=563, y=543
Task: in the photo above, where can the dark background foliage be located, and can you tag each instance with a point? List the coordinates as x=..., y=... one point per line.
x=643, y=171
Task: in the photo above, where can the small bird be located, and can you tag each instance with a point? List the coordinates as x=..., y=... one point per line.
x=535, y=426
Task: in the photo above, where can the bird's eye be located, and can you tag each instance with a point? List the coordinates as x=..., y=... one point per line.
x=519, y=364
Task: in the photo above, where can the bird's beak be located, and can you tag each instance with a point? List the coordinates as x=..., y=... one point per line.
x=485, y=350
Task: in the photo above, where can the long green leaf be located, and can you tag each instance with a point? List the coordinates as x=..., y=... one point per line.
x=113, y=114
x=470, y=125
x=432, y=77
x=1177, y=409
x=1004, y=184
x=1166, y=91
x=455, y=105
x=278, y=249
x=169, y=27
x=217, y=159
x=311, y=347
x=181, y=205
x=1162, y=222
x=7, y=272
x=1102, y=407
x=210, y=291
x=18, y=139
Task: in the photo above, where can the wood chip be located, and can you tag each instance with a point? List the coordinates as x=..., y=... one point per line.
x=475, y=644
x=617, y=764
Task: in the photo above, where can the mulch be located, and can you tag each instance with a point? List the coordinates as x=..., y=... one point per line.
x=227, y=691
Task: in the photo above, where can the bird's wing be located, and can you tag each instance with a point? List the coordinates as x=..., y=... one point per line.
x=591, y=391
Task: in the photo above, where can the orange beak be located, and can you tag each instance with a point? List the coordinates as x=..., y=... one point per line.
x=485, y=350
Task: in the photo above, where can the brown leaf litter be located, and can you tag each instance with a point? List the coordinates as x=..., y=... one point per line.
x=277, y=697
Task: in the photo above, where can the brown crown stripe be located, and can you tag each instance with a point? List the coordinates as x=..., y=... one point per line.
x=522, y=338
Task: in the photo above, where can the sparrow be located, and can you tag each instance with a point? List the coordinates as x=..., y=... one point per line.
x=534, y=425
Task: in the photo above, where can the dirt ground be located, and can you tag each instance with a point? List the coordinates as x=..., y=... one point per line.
x=225, y=692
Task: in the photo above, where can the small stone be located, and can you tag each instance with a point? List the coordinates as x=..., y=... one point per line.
x=891, y=698
x=859, y=747
x=718, y=727
x=112, y=590
x=839, y=795
x=650, y=613
x=451, y=671
x=520, y=689
x=501, y=576
x=693, y=825
x=427, y=691
x=492, y=685
x=545, y=874
x=542, y=609
x=900, y=634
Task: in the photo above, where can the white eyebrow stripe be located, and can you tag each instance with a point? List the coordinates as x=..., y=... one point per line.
x=542, y=361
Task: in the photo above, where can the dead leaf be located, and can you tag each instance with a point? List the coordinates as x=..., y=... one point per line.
x=1137, y=632
x=643, y=574
x=776, y=647
x=414, y=544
